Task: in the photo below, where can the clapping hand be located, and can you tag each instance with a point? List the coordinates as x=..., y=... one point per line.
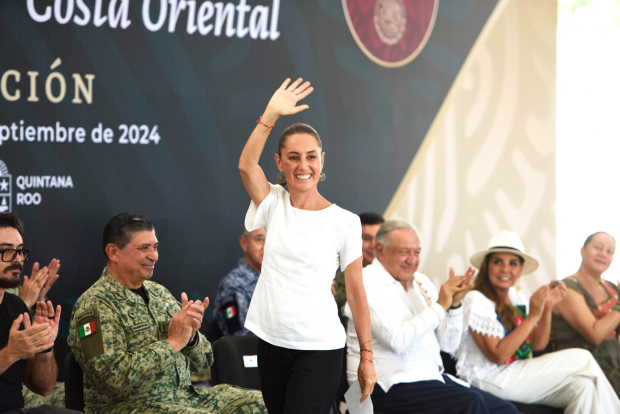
x=186, y=322
x=538, y=302
x=45, y=315
x=33, y=339
x=284, y=100
x=52, y=277
x=557, y=291
x=32, y=286
x=196, y=310
x=466, y=284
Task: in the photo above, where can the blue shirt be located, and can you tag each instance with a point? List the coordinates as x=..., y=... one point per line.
x=233, y=299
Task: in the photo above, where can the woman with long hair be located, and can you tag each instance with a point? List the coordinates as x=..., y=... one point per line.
x=502, y=328
x=301, y=339
x=589, y=317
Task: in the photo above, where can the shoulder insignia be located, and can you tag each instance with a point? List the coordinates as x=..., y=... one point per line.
x=118, y=295
x=89, y=332
x=90, y=313
x=139, y=327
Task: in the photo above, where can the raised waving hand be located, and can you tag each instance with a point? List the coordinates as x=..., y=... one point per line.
x=284, y=100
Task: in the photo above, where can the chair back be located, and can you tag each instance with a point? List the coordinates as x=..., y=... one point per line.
x=212, y=331
x=74, y=384
x=234, y=362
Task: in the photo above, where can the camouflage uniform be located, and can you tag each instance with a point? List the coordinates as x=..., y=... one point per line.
x=233, y=299
x=128, y=365
x=56, y=398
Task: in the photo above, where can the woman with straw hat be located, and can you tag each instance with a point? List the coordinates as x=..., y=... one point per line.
x=503, y=327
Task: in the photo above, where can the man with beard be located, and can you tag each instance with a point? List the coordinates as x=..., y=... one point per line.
x=25, y=344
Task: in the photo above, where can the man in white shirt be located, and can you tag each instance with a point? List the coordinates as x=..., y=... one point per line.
x=411, y=324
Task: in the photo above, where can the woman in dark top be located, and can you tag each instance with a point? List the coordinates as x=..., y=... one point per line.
x=589, y=317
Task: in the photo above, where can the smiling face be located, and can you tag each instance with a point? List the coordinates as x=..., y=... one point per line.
x=504, y=270
x=598, y=254
x=135, y=262
x=10, y=272
x=301, y=160
x=402, y=256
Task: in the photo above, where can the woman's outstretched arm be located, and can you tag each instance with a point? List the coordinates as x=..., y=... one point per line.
x=283, y=102
x=356, y=295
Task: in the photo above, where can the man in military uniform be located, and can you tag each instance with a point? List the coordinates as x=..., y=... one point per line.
x=234, y=292
x=136, y=344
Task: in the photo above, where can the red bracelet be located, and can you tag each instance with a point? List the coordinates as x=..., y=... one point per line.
x=269, y=128
x=372, y=361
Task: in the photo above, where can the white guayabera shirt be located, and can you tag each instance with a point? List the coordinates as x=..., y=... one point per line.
x=407, y=332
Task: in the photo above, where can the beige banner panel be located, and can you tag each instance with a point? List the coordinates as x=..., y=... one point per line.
x=488, y=161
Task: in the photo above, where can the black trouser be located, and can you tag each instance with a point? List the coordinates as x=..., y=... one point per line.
x=298, y=382
x=435, y=397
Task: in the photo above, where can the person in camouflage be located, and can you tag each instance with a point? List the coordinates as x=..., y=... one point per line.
x=235, y=290
x=136, y=344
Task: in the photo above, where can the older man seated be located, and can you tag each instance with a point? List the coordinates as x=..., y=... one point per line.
x=411, y=324
x=136, y=344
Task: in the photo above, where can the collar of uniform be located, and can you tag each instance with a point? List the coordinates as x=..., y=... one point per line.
x=119, y=289
x=247, y=270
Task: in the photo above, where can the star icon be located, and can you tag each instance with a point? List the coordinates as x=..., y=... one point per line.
x=4, y=185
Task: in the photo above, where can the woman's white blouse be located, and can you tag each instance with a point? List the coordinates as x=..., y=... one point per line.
x=292, y=305
x=479, y=315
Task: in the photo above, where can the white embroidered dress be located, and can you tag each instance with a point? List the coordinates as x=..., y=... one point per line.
x=479, y=315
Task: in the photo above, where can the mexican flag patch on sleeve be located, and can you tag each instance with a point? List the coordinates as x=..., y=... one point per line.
x=230, y=312
x=87, y=329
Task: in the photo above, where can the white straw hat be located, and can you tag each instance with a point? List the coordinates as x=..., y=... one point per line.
x=506, y=242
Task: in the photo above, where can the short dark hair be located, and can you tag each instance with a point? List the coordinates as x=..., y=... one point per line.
x=12, y=220
x=369, y=219
x=591, y=236
x=121, y=228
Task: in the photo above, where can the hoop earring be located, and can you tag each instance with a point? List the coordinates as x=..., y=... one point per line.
x=322, y=176
x=281, y=177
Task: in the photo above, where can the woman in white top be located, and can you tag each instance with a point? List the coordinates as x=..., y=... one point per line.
x=501, y=331
x=307, y=238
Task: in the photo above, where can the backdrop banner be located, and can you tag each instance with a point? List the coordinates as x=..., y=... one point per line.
x=144, y=106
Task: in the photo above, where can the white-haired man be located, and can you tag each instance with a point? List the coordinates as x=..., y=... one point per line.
x=411, y=324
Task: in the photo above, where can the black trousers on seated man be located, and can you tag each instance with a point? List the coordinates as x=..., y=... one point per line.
x=434, y=397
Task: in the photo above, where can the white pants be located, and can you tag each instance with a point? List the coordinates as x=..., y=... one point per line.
x=570, y=379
